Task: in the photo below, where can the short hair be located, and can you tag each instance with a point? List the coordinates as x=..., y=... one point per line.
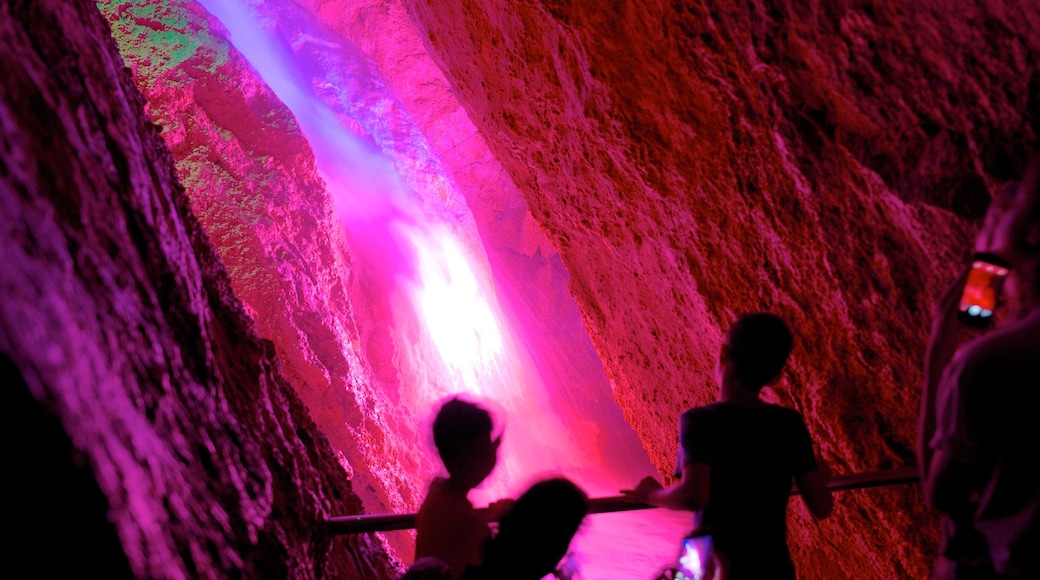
x=758, y=345
x=534, y=534
x=458, y=426
x=428, y=568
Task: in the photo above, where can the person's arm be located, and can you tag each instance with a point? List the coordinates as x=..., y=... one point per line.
x=942, y=345
x=815, y=494
x=690, y=493
x=496, y=509
x=950, y=484
x=968, y=406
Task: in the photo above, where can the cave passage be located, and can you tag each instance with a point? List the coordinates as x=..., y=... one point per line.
x=417, y=243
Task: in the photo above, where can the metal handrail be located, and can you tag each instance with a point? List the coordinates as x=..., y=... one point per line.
x=364, y=523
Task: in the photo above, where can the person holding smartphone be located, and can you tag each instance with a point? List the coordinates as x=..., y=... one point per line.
x=979, y=436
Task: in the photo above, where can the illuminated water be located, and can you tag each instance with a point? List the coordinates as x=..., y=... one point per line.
x=416, y=238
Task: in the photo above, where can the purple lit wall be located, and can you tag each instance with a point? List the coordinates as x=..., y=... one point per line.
x=445, y=311
x=149, y=431
x=556, y=207
x=415, y=242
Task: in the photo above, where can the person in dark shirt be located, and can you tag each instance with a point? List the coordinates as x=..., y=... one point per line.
x=739, y=456
x=980, y=416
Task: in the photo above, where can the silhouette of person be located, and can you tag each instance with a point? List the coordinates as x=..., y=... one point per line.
x=979, y=436
x=534, y=533
x=739, y=455
x=447, y=526
x=428, y=568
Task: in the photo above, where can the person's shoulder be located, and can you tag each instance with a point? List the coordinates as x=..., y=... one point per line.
x=702, y=419
x=784, y=411
x=699, y=410
x=1004, y=360
x=439, y=486
x=1015, y=343
x=782, y=414
x=703, y=412
x=441, y=498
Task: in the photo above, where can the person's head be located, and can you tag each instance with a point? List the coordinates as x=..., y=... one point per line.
x=534, y=534
x=1011, y=230
x=755, y=350
x=462, y=434
x=428, y=569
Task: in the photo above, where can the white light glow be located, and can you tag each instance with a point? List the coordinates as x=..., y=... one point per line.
x=452, y=303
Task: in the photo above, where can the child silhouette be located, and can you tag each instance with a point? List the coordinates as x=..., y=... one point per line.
x=447, y=526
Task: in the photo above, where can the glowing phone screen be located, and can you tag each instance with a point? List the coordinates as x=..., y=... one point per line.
x=981, y=291
x=695, y=562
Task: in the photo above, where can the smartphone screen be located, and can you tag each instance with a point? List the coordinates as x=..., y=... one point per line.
x=982, y=290
x=695, y=559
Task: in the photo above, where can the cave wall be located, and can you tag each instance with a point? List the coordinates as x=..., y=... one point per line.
x=131, y=370
x=688, y=161
x=252, y=181
x=827, y=161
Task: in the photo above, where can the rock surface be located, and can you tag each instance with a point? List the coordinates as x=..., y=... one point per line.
x=680, y=162
x=827, y=161
x=126, y=354
x=253, y=183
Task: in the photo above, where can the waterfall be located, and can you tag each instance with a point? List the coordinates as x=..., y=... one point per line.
x=464, y=314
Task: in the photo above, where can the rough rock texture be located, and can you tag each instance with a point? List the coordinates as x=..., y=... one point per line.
x=252, y=182
x=125, y=355
x=824, y=160
x=688, y=161
x=530, y=278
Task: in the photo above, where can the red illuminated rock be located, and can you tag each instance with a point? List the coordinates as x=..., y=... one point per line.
x=691, y=162
x=165, y=442
x=220, y=122
x=252, y=181
x=686, y=163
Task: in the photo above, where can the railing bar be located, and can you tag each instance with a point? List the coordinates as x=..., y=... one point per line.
x=364, y=523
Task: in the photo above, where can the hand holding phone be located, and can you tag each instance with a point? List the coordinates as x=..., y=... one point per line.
x=696, y=559
x=981, y=292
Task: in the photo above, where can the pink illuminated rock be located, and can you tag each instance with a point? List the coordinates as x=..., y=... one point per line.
x=253, y=183
x=693, y=162
x=125, y=353
x=530, y=279
x=250, y=198
x=666, y=166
